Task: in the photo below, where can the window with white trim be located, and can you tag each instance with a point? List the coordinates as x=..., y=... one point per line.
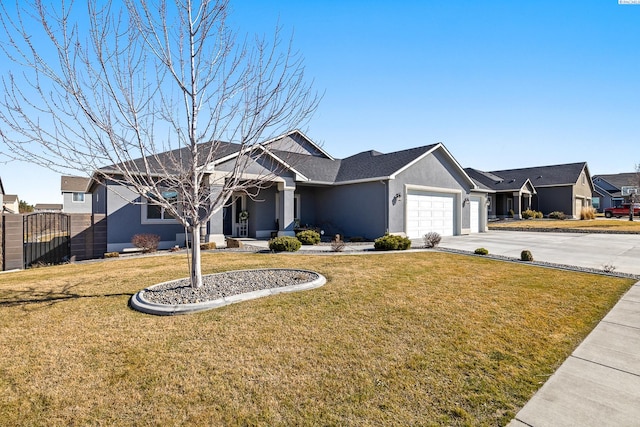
x=155, y=213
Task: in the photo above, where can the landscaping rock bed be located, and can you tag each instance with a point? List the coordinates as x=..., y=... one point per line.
x=223, y=285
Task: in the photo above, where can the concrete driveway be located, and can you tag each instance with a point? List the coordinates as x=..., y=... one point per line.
x=583, y=250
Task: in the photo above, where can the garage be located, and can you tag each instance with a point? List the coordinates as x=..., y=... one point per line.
x=428, y=211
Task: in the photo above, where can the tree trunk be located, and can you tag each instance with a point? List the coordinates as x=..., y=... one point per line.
x=196, y=264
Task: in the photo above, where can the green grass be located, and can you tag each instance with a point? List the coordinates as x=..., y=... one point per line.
x=392, y=339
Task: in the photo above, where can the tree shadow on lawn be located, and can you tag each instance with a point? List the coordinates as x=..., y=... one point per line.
x=33, y=295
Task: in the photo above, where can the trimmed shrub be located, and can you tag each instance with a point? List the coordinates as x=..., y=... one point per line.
x=587, y=213
x=390, y=242
x=284, y=244
x=111, y=254
x=529, y=213
x=432, y=239
x=557, y=215
x=526, y=256
x=308, y=237
x=207, y=246
x=481, y=251
x=146, y=242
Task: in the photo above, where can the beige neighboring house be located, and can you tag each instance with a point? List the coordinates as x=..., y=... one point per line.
x=75, y=198
x=10, y=203
x=47, y=207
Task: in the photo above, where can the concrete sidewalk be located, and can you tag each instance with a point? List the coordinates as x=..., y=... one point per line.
x=599, y=384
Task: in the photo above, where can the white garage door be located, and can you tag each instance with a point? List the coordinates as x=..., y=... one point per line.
x=430, y=212
x=475, y=216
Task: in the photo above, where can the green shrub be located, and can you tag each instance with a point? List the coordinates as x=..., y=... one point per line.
x=146, y=242
x=390, y=242
x=526, y=256
x=284, y=244
x=557, y=215
x=481, y=251
x=308, y=237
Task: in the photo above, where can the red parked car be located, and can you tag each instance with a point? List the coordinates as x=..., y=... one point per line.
x=623, y=210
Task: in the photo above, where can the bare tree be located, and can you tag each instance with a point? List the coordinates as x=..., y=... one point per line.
x=144, y=93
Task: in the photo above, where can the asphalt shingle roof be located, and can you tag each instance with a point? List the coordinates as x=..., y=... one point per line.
x=620, y=180
x=362, y=166
x=74, y=184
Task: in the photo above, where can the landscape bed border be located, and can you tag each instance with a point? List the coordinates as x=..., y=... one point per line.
x=140, y=303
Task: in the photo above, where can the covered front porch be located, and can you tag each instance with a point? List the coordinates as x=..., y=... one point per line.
x=511, y=204
x=264, y=213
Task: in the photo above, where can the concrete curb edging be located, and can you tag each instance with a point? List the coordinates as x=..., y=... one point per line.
x=139, y=303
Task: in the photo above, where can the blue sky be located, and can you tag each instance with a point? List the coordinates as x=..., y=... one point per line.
x=503, y=84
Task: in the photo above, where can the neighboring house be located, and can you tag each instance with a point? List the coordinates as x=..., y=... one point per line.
x=609, y=190
x=566, y=188
x=75, y=195
x=409, y=192
x=10, y=203
x=47, y=207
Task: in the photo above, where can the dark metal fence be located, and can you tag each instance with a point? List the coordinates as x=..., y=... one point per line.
x=46, y=238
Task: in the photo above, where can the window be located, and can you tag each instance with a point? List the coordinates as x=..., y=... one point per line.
x=78, y=197
x=154, y=213
x=595, y=202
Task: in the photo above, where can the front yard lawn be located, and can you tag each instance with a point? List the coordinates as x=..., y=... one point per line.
x=402, y=339
x=602, y=225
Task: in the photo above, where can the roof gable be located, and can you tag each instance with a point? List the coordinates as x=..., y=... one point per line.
x=297, y=142
x=617, y=181
x=374, y=165
x=74, y=184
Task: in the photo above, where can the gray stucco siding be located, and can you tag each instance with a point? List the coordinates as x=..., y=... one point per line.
x=551, y=199
x=583, y=187
x=352, y=210
x=76, y=207
x=124, y=220
x=262, y=211
x=434, y=171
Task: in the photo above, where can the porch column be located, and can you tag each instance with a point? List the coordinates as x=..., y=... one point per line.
x=285, y=209
x=216, y=233
x=517, y=205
